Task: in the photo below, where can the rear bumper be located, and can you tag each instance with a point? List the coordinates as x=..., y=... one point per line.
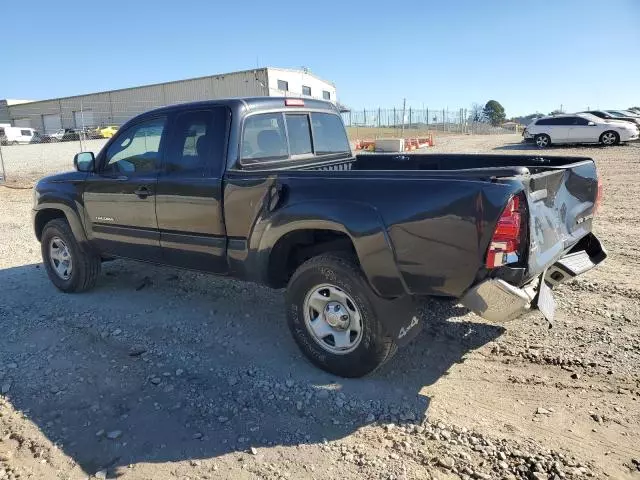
x=498, y=301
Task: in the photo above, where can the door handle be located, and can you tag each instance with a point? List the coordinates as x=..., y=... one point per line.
x=142, y=192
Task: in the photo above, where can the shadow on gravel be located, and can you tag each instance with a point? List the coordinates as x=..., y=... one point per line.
x=158, y=365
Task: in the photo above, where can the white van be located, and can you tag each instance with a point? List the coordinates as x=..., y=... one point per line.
x=17, y=135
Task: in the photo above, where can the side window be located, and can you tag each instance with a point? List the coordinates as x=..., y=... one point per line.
x=197, y=144
x=581, y=121
x=263, y=137
x=329, y=135
x=543, y=121
x=136, y=149
x=26, y=133
x=299, y=134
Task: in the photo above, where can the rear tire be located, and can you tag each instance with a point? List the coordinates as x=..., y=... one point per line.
x=15, y=142
x=542, y=140
x=610, y=138
x=337, y=286
x=69, y=267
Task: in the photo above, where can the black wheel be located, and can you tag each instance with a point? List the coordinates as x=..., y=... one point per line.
x=331, y=314
x=69, y=267
x=542, y=141
x=15, y=142
x=609, y=138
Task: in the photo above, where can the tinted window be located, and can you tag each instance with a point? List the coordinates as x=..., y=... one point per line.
x=197, y=144
x=329, y=135
x=282, y=85
x=600, y=114
x=25, y=132
x=581, y=121
x=135, y=150
x=299, y=134
x=306, y=90
x=543, y=121
x=264, y=137
x=326, y=95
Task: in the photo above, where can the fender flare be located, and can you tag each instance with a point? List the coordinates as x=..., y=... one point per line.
x=71, y=214
x=360, y=222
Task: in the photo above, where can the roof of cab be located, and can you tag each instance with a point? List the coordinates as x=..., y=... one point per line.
x=251, y=103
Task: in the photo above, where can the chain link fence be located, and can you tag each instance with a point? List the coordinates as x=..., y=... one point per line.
x=410, y=122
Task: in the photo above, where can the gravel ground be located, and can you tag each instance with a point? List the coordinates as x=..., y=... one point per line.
x=160, y=373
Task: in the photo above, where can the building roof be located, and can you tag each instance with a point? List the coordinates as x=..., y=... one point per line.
x=254, y=70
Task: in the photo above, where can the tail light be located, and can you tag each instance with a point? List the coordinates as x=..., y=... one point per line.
x=598, y=197
x=505, y=243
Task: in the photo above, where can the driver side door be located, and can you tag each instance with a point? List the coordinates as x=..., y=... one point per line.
x=120, y=197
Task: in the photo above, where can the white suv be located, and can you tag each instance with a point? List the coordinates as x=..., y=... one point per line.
x=579, y=128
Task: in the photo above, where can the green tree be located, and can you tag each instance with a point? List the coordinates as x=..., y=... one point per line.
x=494, y=112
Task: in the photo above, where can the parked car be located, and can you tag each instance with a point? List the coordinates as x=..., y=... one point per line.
x=579, y=128
x=607, y=115
x=18, y=135
x=267, y=190
x=107, y=132
x=65, y=135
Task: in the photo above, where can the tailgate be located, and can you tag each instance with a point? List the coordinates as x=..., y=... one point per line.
x=561, y=206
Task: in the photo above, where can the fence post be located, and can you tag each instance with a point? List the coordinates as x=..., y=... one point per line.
x=3, y=178
x=379, y=117
x=364, y=111
x=427, y=118
x=410, y=118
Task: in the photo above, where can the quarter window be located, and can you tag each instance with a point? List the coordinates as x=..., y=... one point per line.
x=283, y=85
x=136, y=150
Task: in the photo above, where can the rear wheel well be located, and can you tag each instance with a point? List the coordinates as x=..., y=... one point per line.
x=45, y=216
x=295, y=248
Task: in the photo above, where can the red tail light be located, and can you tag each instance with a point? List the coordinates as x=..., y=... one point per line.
x=505, y=243
x=598, y=197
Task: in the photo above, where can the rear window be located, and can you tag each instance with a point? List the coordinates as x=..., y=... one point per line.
x=264, y=137
x=299, y=134
x=329, y=135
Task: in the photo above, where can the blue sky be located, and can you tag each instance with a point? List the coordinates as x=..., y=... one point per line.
x=530, y=56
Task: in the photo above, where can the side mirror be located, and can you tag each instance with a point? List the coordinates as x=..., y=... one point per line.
x=592, y=124
x=84, y=162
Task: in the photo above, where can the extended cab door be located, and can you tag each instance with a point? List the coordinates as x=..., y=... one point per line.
x=189, y=191
x=120, y=197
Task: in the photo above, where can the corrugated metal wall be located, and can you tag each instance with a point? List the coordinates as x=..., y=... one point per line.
x=118, y=106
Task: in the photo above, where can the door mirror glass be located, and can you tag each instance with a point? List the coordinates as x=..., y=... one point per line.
x=84, y=162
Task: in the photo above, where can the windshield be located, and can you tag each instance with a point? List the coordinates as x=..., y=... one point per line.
x=615, y=113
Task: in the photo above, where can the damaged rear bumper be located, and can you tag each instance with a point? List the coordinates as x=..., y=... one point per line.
x=499, y=301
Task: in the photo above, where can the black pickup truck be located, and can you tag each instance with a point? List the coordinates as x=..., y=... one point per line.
x=268, y=190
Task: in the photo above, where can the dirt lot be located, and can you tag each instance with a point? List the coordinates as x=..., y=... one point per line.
x=160, y=373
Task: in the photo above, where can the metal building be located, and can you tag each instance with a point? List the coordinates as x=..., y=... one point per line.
x=117, y=106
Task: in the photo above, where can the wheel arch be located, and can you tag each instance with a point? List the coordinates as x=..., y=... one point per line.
x=303, y=230
x=46, y=212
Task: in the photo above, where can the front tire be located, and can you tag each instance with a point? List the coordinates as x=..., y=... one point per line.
x=332, y=317
x=542, y=140
x=69, y=267
x=610, y=138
